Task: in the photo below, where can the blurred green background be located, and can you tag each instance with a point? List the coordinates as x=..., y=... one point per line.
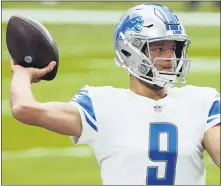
x=177, y=6
x=86, y=57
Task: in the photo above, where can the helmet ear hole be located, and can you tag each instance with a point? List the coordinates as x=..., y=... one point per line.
x=144, y=48
x=127, y=54
x=179, y=48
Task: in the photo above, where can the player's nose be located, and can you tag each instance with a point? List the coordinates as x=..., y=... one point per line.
x=169, y=54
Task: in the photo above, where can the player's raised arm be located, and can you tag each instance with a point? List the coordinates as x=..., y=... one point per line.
x=212, y=143
x=62, y=118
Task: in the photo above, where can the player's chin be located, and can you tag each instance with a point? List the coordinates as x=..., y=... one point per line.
x=167, y=70
x=154, y=87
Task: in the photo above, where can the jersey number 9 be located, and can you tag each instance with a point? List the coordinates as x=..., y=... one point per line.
x=168, y=156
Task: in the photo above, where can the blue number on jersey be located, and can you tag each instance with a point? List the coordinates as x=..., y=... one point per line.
x=169, y=156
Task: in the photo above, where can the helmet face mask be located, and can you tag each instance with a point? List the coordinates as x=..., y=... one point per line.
x=139, y=28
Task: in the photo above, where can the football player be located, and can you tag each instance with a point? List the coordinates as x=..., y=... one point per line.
x=150, y=133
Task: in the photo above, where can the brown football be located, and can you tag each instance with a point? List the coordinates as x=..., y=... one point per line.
x=31, y=45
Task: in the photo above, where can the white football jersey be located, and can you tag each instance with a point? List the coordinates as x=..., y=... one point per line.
x=140, y=141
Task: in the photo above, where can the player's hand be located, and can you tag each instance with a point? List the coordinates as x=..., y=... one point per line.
x=34, y=73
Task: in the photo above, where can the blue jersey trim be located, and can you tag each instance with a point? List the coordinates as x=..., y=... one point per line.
x=84, y=100
x=215, y=109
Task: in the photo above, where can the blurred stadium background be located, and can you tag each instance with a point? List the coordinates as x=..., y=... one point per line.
x=36, y=156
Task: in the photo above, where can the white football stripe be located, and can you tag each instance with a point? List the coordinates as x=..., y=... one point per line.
x=47, y=152
x=77, y=152
x=102, y=16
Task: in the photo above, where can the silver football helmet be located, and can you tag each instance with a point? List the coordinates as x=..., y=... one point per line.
x=142, y=25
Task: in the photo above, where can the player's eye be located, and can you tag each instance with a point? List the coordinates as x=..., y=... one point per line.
x=160, y=49
x=164, y=49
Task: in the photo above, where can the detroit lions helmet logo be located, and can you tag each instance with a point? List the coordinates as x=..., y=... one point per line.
x=131, y=22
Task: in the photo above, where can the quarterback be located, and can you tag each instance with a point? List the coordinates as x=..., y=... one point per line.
x=149, y=134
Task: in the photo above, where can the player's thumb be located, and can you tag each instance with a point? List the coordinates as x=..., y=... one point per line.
x=49, y=68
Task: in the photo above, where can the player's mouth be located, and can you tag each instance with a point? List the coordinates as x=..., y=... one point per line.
x=166, y=69
x=169, y=69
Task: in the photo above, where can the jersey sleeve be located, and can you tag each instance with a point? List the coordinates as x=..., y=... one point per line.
x=84, y=104
x=213, y=117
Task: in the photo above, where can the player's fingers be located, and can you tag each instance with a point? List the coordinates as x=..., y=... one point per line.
x=53, y=64
x=48, y=69
x=36, y=81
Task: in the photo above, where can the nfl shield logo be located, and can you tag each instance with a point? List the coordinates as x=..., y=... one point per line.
x=158, y=108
